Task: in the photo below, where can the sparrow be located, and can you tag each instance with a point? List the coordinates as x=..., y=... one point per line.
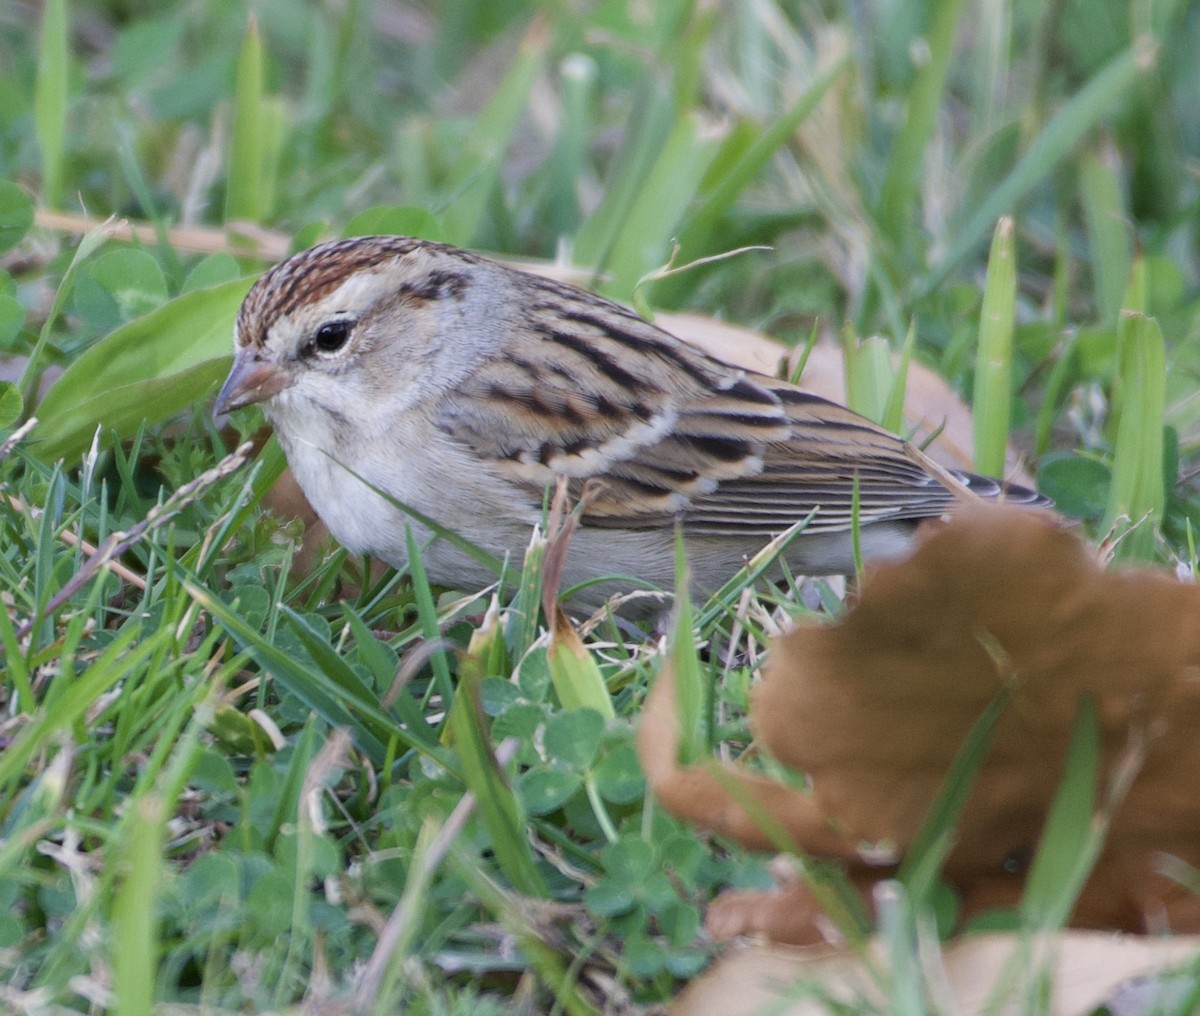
x=411, y=381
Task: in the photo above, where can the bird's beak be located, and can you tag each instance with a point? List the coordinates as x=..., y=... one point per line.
x=251, y=379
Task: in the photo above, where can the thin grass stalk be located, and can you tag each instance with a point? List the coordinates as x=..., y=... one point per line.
x=143, y=836
x=897, y=930
x=926, y=855
x=1134, y=301
x=338, y=696
x=377, y=987
x=567, y=163
x=697, y=238
x=830, y=885
x=427, y=617
x=652, y=120
x=691, y=688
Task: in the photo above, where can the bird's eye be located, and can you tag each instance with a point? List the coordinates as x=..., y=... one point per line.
x=331, y=336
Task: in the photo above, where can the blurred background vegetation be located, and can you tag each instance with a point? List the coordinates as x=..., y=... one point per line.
x=872, y=147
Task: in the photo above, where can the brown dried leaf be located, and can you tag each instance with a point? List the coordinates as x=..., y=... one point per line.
x=874, y=708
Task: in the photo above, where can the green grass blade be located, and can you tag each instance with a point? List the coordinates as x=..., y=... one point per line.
x=427, y=618
x=1135, y=301
x=830, y=884
x=406, y=920
x=1108, y=234
x=869, y=375
x=893, y=412
x=245, y=187
x=135, y=176
x=1061, y=291
x=273, y=127
x=1138, y=488
x=723, y=601
x=925, y=856
x=350, y=687
x=1079, y=115
x=652, y=120
x=643, y=241
x=136, y=939
x=522, y=627
x=338, y=697
x=898, y=197
x=1136, y=290
x=697, y=238
x=477, y=171
x=897, y=930
x=135, y=942
x=498, y=805
x=404, y=705
x=993, y=364
x=1062, y=377
x=1070, y=841
x=542, y=957
x=266, y=470
x=16, y=670
x=476, y=553
x=50, y=99
x=568, y=161
x=121, y=657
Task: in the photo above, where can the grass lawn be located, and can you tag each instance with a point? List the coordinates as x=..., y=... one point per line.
x=236, y=781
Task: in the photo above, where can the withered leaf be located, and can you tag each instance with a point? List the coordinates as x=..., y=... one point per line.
x=874, y=708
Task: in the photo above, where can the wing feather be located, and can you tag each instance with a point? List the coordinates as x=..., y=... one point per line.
x=667, y=432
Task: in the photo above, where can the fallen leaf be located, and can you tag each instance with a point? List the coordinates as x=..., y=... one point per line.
x=874, y=708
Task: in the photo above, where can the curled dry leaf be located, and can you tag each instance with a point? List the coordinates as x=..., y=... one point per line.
x=874, y=708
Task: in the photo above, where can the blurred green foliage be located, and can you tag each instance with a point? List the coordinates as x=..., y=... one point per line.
x=871, y=147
